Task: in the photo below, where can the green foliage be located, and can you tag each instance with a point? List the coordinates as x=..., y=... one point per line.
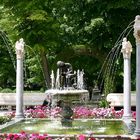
x=94, y=24
x=7, y=71
x=103, y=103
x=81, y=32
x=34, y=74
x=108, y=85
x=38, y=15
x=42, y=90
x=0, y=89
x=4, y=119
x=6, y=90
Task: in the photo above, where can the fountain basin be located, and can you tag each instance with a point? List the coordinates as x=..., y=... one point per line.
x=68, y=95
x=53, y=127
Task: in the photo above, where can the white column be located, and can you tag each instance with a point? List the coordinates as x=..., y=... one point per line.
x=137, y=37
x=19, y=79
x=126, y=50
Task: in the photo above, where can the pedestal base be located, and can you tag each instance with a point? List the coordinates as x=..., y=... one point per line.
x=137, y=133
x=127, y=117
x=66, y=122
x=19, y=116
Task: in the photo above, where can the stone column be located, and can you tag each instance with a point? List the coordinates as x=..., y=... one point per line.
x=126, y=50
x=19, y=79
x=137, y=37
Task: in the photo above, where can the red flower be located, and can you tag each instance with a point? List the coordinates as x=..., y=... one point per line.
x=10, y=136
x=16, y=136
x=134, y=115
x=92, y=138
x=22, y=132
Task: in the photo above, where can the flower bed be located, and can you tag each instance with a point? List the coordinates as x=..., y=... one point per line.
x=36, y=136
x=79, y=112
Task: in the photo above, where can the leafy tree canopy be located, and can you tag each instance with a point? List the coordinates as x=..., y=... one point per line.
x=78, y=31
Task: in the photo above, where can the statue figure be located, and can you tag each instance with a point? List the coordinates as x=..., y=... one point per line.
x=20, y=48
x=126, y=48
x=66, y=74
x=69, y=75
x=62, y=72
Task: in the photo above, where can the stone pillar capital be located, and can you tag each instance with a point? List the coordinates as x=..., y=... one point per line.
x=126, y=48
x=137, y=29
x=19, y=46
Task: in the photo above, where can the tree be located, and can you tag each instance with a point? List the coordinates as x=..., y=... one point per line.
x=74, y=31
x=36, y=25
x=91, y=28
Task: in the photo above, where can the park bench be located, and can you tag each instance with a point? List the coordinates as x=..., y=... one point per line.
x=8, y=100
x=116, y=99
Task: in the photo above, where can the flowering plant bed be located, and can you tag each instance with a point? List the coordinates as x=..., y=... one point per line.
x=79, y=112
x=36, y=136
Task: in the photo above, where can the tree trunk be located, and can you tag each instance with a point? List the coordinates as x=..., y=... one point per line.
x=45, y=66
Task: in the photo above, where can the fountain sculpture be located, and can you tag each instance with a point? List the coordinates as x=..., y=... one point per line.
x=68, y=86
x=66, y=89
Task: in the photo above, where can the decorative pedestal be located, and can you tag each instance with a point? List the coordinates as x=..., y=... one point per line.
x=19, y=79
x=65, y=98
x=137, y=37
x=126, y=50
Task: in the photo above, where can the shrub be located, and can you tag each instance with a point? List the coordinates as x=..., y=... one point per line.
x=6, y=90
x=4, y=119
x=103, y=103
x=0, y=89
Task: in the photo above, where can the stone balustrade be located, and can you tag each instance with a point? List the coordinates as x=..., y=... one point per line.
x=7, y=100
x=116, y=99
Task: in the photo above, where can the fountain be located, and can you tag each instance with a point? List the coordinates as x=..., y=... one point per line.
x=66, y=88
x=65, y=91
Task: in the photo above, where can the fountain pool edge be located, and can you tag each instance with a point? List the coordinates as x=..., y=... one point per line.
x=106, y=137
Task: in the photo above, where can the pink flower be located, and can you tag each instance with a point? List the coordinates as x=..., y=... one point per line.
x=49, y=138
x=81, y=137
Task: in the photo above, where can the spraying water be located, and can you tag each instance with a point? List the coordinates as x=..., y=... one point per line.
x=57, y=79
x=110, y=65
x=8, y=45
x=38, y=61
x=52, y=80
